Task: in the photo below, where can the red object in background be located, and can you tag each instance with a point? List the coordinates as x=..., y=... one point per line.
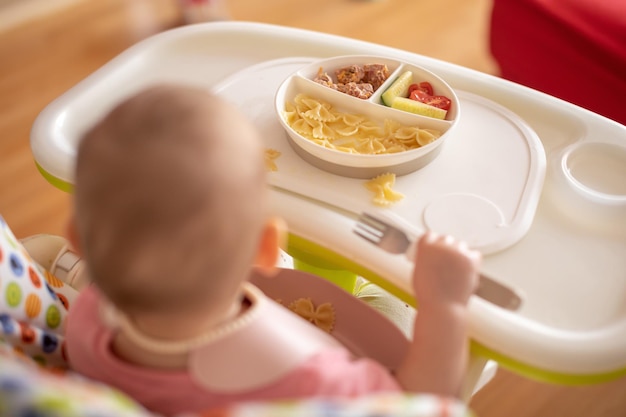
x=572, y=49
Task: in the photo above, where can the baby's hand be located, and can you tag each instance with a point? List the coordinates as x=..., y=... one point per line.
x=446, y=270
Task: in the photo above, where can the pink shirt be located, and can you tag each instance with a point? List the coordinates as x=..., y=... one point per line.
x=331, y=373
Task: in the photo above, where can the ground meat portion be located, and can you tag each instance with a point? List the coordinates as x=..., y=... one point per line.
x=375, y=74
x=349, y=74
x=324, y=79
x=358, y=90
x=356, y=80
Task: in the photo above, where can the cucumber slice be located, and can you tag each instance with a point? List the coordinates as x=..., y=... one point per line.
x=412, y=106
x=399, y=88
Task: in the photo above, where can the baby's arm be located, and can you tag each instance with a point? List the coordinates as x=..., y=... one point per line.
x=445, y=276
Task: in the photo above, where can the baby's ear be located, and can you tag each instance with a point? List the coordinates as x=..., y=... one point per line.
x=273, y=238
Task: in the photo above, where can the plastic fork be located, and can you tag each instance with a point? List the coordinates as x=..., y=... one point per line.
x=392, y=239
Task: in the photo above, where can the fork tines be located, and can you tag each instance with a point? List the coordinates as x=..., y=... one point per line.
x=374, y=222
x=370, y=228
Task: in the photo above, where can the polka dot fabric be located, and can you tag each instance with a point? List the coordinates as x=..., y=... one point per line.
x=33, y=304
x=27, y=390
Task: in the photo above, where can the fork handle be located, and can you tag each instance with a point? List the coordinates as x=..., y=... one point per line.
x=487, y=289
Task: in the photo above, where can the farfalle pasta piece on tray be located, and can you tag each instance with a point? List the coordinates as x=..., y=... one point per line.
x=382, y=186
x=270, y=159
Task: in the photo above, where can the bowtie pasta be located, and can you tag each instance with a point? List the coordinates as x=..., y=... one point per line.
x=319, y=122
x=382, y=187
x=270, y=159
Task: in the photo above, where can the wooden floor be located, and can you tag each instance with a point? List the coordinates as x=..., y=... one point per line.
x=41, y=59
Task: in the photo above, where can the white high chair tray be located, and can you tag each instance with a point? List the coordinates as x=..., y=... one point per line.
x=458, y=193
x=562, y=244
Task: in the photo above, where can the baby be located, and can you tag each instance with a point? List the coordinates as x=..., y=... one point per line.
x=171, y=218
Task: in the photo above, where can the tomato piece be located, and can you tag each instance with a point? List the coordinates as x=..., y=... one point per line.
x=419, y=95
x=423, y=92
x=426, y=87
x=441, y=102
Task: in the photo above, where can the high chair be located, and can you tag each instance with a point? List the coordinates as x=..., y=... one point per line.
x=548, y=194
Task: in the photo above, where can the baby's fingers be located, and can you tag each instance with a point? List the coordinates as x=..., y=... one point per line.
x=433, y=239
x=450, y=252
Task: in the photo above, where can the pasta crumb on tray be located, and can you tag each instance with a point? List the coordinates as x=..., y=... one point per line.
x=270, y=159
x=382, y=187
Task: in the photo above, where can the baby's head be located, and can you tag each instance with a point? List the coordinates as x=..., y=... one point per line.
x=170, y=200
